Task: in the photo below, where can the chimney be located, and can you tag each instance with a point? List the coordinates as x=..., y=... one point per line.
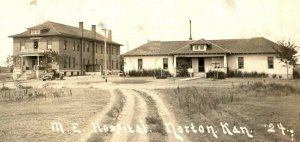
x=109, y=35
x=81, y=28
x=190, y=30
x=94, y=31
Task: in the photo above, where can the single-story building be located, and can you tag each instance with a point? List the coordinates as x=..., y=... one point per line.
x=201, y=56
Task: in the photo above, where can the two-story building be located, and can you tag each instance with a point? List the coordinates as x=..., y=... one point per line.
x=80, y=50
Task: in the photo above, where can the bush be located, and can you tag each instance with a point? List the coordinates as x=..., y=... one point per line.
x=182, y=72
x=252, y=74
x=214, y=74
x=296, y=74
x=149, y=73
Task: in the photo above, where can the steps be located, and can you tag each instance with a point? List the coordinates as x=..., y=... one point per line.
x=200, y=74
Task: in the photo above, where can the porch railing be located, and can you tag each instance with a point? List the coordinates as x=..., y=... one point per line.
x=32, y=50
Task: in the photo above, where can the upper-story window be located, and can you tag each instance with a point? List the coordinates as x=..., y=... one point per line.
x=49, y=44
x=35, y=32
x=78, y=46
x=22, y=44
x=35, y=44
x=101, y=48
x=65, y=44
x=74, y=45
x=88, y=47
x=96, y=47
x=199, y=47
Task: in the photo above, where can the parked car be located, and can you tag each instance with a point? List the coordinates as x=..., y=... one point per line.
x=52, y=74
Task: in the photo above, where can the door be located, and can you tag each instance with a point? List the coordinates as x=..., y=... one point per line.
x=201, y=64
x=34, y=63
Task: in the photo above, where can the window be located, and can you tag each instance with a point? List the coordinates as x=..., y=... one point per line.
x=69, y=62
x=78, y=46
x=65, y=44
x=83, y=47
x=88, y=61
x=74, y=44
x=140, y=64
x=96, y=61
x=112, y=50
x=83, y=62
x=49, y=44
x=88, y=48
x=35, y=44
x=101, y=49
x=112, y=64
x=117, y=52
x=22, y=45
x=65, y=63
x=271, y=62
x=241, y=62
x=117, y=64
x=107, y=48
x=199, y=47
x=96, y=47
x=35, y=32
x=74, y=62
x=165, y=63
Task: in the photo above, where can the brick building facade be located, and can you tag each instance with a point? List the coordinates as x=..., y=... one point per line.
x=82, y=50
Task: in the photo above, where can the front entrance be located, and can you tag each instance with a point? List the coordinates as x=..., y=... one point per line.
x=201, y=64
x=34, y=63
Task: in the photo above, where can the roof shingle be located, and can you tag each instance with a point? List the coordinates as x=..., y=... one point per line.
x=62, y=30
x=257, y=45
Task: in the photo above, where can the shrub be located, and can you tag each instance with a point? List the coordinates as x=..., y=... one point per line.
x=149, y=73
x=214, y=74
x=182, y=72
x=296, y=74
x=253, y=74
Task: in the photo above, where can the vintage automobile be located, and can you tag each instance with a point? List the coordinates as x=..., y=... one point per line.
x=52, y=74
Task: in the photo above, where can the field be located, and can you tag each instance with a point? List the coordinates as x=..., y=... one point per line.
x=147, y=109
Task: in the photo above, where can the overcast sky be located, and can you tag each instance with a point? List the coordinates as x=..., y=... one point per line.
x=134, y=22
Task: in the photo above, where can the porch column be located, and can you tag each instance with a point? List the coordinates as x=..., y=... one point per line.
x=225, y=63
x=38, y=66
x=174, y=65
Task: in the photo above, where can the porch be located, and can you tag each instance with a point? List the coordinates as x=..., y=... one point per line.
x=199, y=65
x=29, y=66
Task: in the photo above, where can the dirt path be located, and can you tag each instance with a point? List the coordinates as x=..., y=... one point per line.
x=167, y=117
x=97, y=118
x=125, y=117
x=140, y=113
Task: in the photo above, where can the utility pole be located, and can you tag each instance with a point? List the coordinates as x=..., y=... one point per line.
x=190, y=30
x=105, y=52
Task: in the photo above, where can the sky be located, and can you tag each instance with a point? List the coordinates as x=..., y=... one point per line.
x=135, y=22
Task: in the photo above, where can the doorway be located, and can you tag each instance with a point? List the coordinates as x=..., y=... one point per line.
x=201, y=64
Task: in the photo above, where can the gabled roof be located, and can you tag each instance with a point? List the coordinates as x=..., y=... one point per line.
x=57, y=29
x=157, y=48
x=257, y=45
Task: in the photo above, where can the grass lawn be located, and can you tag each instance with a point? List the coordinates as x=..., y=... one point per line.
x=30, y=120
x=5, y=77
x=257, y=106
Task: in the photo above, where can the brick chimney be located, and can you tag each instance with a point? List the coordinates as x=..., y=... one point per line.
x=94, y=31
x=81, y=28
x=109, y=35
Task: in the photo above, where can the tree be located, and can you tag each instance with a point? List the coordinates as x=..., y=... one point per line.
x=52, y=57
x=10, y=61
x=286, y=52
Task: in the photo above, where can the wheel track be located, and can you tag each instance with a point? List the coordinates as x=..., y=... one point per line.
x=125, y=118
x=166, y=115
x=85, y=135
